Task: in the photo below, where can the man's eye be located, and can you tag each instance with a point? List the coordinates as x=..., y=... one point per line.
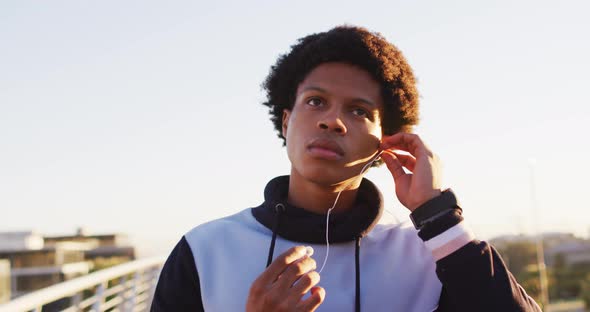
x=360, y=112
x=315, y=102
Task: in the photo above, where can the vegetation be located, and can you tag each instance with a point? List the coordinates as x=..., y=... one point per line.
x=566, y=282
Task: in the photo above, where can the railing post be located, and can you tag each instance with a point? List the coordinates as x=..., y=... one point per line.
x=76, y=299
x=13, y=286
x=124, y=305
x=134, y=293
x=154, y=274
x=99, y=297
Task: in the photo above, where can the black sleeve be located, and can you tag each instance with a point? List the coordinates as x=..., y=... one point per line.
x=475, y=278
x=178, y=288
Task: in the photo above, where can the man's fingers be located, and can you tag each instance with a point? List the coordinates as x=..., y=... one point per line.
x=286, y=281
x=305, y=283
x=408, y=142
x=313, y=302
x=393, y=164
x=280, y=264
x=294, y=272
x=407, y=161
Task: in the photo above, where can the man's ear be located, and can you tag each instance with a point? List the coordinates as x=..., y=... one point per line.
x=286, y=115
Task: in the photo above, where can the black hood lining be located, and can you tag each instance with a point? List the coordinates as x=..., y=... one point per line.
x=300, y=225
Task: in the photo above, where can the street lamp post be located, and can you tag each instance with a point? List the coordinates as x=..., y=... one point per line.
x=539, y=240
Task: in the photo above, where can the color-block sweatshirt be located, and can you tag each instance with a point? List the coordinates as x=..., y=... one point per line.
x=370, y=267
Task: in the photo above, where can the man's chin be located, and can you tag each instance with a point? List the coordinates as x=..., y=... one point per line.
x=327, y=177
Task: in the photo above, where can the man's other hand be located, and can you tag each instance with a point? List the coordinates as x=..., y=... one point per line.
x=283, y=284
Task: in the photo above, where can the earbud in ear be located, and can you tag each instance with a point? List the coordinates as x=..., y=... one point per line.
x=379, y=155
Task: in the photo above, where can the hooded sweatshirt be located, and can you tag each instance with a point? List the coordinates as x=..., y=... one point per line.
x=370, y=266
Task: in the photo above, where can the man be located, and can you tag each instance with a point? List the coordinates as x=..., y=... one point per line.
x=339, y=100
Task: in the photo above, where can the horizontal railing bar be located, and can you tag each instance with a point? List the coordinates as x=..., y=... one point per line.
x=140, y=307
x=142, y=297
x=68, y=288
x=88, y=302
x=142, y=287
x=114, y=290
x=111, y=303
x=71, y=309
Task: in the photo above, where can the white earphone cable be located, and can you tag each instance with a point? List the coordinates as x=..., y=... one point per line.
x=367, y=165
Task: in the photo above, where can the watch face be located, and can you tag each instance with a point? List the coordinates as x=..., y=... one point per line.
x=434, y=209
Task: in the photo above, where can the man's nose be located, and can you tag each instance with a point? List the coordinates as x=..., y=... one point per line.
x=332, y=121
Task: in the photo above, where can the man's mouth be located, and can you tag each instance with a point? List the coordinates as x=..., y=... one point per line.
x=325, y=149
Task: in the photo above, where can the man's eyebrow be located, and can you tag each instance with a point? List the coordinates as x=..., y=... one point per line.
x=314, y=88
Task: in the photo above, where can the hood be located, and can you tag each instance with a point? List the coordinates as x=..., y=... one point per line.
x=300, y=225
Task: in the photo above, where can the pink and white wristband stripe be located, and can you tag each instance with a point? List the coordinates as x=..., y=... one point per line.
x=449, y=241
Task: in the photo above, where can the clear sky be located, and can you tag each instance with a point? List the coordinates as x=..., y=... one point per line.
x=144, y=117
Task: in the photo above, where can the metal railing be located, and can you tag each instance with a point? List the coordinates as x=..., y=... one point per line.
x=125, y=287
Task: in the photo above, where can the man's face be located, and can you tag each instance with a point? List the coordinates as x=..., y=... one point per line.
x=334, y=128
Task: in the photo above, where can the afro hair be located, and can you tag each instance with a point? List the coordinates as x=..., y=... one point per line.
x=355, y=46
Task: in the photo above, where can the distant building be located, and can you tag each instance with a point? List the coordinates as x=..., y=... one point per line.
x=574, y=250
x=4, y=280
x=104, y=246
x=504, y=240
x=20, y=240
x=570, y=306
x=573, y=253
x=37, y=262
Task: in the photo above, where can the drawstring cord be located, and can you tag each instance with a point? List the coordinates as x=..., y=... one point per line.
x=279, y=208
x=357, y=294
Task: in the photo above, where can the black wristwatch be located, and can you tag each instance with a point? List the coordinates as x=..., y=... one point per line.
x=435, y=208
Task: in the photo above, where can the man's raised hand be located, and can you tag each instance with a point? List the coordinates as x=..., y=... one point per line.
x=422, y=183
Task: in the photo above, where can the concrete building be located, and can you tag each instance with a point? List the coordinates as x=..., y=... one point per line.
x=4, y=280
x=37, y=262
x=20, y=240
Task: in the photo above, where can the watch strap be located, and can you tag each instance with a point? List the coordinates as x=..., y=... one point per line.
x=435, y=208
